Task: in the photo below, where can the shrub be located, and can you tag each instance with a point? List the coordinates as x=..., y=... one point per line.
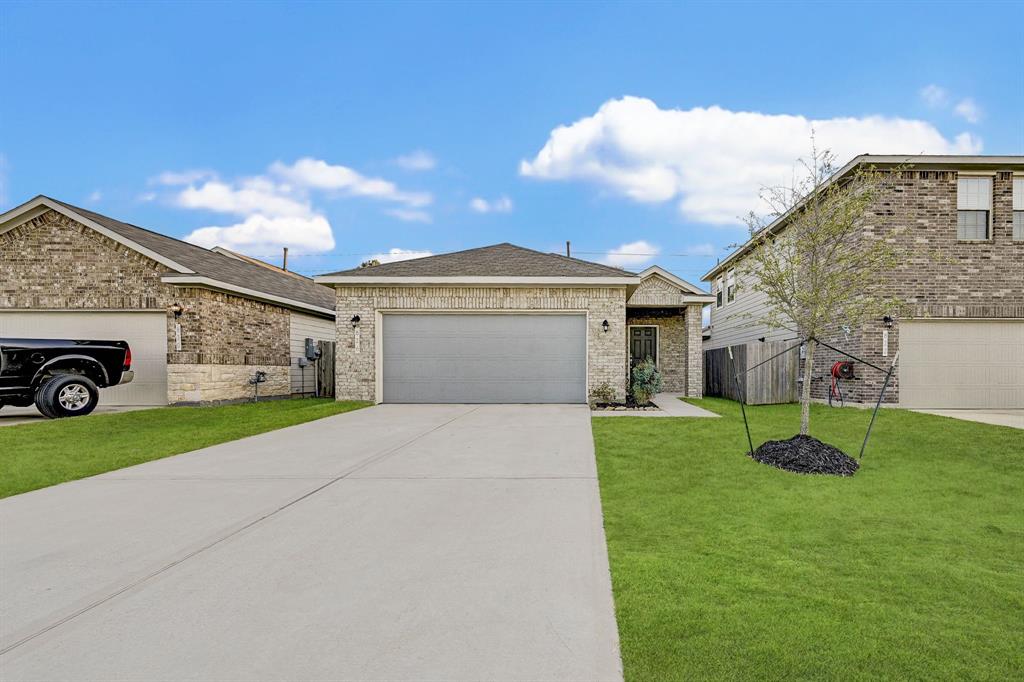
x=603, y=393
x=646, y=381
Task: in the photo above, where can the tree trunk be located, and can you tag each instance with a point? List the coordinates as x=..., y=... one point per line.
x=805, y=393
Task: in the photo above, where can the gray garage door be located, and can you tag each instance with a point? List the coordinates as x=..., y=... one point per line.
x=145, y=332
x=962, y=364
x=454, y=358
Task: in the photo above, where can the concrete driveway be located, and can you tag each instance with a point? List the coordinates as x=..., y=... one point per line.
x=400, y=542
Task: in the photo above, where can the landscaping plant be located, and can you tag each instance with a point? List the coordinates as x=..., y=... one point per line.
x=646, y=381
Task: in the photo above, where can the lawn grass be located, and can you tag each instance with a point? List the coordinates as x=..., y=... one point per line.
x=724, y=568
x=38, y=455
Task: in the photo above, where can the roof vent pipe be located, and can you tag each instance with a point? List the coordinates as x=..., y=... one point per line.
x=284, y=260
x=567, y=253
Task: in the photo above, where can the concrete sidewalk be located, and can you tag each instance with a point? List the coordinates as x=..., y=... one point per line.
x=669, y=405
x=1012, y=418
x=399, y=542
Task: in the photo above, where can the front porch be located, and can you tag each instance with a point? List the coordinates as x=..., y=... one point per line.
x=663, y=321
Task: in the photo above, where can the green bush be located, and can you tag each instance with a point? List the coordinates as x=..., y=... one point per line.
x=603, y=393
x=646, y=381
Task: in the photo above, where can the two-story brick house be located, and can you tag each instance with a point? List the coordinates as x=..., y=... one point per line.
x=960, y=333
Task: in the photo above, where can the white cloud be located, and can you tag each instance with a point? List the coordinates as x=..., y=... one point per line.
x=394, y=255
x=713, y=161
x=968, y=110
x=631, y=254
x=95, y=196
x=277, y=208
x=934, y=95
x=318, y=174
x=500, y=205
x=419, y=160
x=262, y=234
x=410, y=215
x=246, y=197
x=147, y=196
x=186, y=177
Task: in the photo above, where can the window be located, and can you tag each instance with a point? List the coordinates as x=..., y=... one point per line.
x=730, y=287
x=718, y=292
x=973, y=207
x=1018, y=209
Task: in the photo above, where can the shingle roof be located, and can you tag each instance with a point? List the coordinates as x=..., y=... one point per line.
x=499, y=260
x=214, y=265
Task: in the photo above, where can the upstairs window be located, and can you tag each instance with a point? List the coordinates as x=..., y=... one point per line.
x=730, y=286
x=1018, y=209
x=973, y=208
x=718, y=292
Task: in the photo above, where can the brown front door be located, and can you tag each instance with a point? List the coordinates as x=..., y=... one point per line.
x=643, y=343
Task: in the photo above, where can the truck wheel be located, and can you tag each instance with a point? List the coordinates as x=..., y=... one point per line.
x=67, y=395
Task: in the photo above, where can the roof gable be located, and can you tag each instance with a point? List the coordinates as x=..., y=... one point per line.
x=496, y=261
x=188, y=264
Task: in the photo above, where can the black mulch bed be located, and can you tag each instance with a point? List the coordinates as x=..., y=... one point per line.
x=805, y=455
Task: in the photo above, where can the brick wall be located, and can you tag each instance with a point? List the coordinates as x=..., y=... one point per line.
x=672, y=343
x=53, y=262
x=355, y=368
x=944, y=277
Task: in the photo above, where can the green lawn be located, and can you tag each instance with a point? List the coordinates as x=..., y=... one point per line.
x=43, y=454
x=724, y=568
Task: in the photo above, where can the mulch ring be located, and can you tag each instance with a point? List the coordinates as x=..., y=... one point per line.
x=805, y=455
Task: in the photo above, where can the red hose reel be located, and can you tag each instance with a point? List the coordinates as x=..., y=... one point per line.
x=842, y=370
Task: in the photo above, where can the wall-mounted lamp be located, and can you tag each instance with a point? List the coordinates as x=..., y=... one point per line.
x=887, y=321
x=177, y=309
x=355, y=321
x=604, y=326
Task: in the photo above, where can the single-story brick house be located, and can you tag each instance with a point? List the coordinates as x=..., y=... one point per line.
x=507, y=324
x=200, y=322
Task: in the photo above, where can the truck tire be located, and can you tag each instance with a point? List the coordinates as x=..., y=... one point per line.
x=67, y=395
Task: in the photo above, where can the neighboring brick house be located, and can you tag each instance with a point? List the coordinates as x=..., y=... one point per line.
x=506, y=324
x=200, y=323
x=960, y=333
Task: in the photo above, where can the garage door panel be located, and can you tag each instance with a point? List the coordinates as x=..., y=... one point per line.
x=962, y=364
x=146, y=334
x=484, y=358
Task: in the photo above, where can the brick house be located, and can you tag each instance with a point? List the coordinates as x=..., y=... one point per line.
x=200, y=322
x=506, y=324
x=960, y=334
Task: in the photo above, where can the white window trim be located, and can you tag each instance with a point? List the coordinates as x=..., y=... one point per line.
x=730, y=281
x=989, y=236
x=720, y=291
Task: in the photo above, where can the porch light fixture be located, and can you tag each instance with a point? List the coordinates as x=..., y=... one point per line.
x=604, y=326
x=355, y=321
x=177, y=309
x=887, y=321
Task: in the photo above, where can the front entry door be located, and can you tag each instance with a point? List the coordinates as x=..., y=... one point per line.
x=643, y=343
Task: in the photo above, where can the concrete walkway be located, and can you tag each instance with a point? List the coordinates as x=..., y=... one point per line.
x=430, y=542
x=669, y=405
x=1011, y=418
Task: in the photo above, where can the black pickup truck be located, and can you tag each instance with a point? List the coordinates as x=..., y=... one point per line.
x=62, y=377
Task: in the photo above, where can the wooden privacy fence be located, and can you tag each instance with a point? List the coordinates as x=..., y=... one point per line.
x=771, y=383
x=325, y=370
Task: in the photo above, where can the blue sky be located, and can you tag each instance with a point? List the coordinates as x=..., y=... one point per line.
x=345, y=130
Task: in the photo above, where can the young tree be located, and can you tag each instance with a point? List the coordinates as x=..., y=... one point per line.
x=369, y=263
x=817, y=265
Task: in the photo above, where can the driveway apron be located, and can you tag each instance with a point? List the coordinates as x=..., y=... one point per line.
x=412, y=542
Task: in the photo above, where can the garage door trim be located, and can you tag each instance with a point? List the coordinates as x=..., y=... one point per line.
x=378, y=340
